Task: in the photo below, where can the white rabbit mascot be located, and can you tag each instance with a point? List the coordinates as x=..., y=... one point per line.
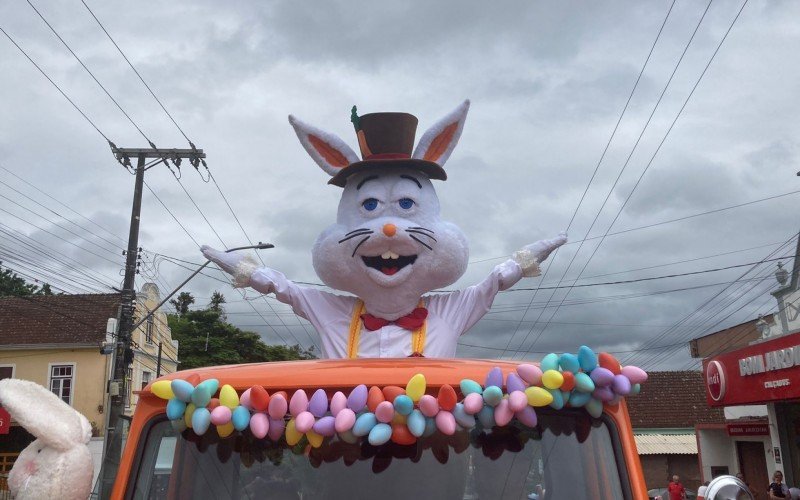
x=388, y=246
x=57, y=464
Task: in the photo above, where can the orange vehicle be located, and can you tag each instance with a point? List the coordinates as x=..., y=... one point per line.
x=567, y=454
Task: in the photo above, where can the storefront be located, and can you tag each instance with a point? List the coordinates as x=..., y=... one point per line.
x=766, y=372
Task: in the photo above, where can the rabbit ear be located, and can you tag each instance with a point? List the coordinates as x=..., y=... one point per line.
x=330, y=152
x=440, y=140
x=44, y=414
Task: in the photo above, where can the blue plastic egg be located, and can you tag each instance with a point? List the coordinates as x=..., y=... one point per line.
x=182, y=390
x=587, y=358
x=595, y=408
x=403, y=404
x=201, y=419
x=569, y=363
x=549, y=362
x=462, y=418
x=430, y=427
x=583, y=383
x=469, y=386
x=416, y=423
x=492, y=395
x=558, y=399
x=486, y=417
x=175, y=409
x=364, y=424
x=579, y=399
x=178, y=425
x=201, y=395
x=240, y=418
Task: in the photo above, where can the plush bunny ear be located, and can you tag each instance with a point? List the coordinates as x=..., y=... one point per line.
x=440, y=140
x=43, y=414
x=330, y=152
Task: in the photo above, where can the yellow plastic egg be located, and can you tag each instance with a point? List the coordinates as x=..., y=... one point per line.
x=416, y=387
x=538, y=396
x=187, y=415
x=228, y=397
x=314, y=439
x=399, y=419
x=293, y=436
x=163, y=389
x=225, y=430
x=552, y=379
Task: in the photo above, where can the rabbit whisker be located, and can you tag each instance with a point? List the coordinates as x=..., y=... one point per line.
x=420, y=242
x=359, y=244
x=420, y=228
x=359, y=230
x=420, y=233
x=351, y=236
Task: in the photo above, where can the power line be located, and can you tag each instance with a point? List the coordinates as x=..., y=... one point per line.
x=599, y=162
x=91, y=74
x=137, y=72
x=649, y=163
x=79, y=110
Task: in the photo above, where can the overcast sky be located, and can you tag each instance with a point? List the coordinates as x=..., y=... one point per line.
x=548, y=82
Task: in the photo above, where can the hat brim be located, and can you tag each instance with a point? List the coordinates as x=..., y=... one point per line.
x=429, y=168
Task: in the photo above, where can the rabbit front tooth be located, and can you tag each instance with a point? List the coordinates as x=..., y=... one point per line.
x=386, y=255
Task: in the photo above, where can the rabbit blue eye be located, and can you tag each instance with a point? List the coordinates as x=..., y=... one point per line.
x=406, y=203
x=370, y=204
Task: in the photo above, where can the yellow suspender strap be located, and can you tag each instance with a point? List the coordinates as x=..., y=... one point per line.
x=355, y=330
x=417, y=336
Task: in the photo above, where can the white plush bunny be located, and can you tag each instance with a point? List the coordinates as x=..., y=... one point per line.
x=388, y=247
x=58, y=463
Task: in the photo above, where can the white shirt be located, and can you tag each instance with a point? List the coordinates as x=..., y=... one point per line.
x=450, y=315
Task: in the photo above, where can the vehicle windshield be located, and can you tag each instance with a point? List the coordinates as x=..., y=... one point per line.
x=569, y=455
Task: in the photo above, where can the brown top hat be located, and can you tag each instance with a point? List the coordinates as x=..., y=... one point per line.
x=386, y=140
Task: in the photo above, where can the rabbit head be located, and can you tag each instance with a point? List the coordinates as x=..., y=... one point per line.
x=58, y=463
x=389, y=245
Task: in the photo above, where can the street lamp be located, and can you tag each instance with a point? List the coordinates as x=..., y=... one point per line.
x=260, y=246
x=782, y=275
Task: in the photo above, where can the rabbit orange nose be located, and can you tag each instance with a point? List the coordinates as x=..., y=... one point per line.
x=389, y=230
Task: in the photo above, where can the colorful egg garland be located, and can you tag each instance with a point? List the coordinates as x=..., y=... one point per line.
x=402, y=415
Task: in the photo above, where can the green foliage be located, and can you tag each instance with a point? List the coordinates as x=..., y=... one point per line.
x=206, y=339
x=13, y=285
x=182, y=302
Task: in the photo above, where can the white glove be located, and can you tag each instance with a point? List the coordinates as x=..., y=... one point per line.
x=240, y=266
x=534, y=254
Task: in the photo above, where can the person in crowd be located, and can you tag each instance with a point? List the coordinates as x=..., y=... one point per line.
x=675, y=489
x=701, y=491
x=777, y=488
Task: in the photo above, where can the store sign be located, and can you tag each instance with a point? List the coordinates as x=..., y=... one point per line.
x=5, y=421
x=759, y=373
x=748, y=429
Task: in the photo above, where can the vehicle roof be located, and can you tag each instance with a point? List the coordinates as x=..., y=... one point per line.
x=336, y=373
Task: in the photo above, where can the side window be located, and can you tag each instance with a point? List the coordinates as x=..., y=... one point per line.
x=6, y=371
x=62, y=381
x=146, y=377
x=149, y=330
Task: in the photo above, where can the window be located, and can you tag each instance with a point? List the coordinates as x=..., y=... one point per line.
x=62, y=378
x=148, y=335
x=146, y=377
x=6, y=371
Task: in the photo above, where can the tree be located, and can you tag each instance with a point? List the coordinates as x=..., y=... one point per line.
x=206, y=339
x=182, y=303
x=217, y=299
x=13, y=285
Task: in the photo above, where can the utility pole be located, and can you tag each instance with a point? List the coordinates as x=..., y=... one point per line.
x=123, y=355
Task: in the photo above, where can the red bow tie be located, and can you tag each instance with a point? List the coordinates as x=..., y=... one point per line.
x=410, y=321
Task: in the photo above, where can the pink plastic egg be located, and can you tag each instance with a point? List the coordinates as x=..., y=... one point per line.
x=473, y=403
x=345, y=420
x=338, y=403
x=244, y=400
x=503, y=413
x=259, y=425
x=446, y=423
x=517, y=400
x=220, y=415
x=277, y=407
x=276, y=428
x=531, y=374
x=635, y=374
x=299, y=403
x=304, y=421
x=384, y=412
x=428, y=405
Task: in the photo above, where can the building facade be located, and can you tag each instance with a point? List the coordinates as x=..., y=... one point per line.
x=755, y=376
